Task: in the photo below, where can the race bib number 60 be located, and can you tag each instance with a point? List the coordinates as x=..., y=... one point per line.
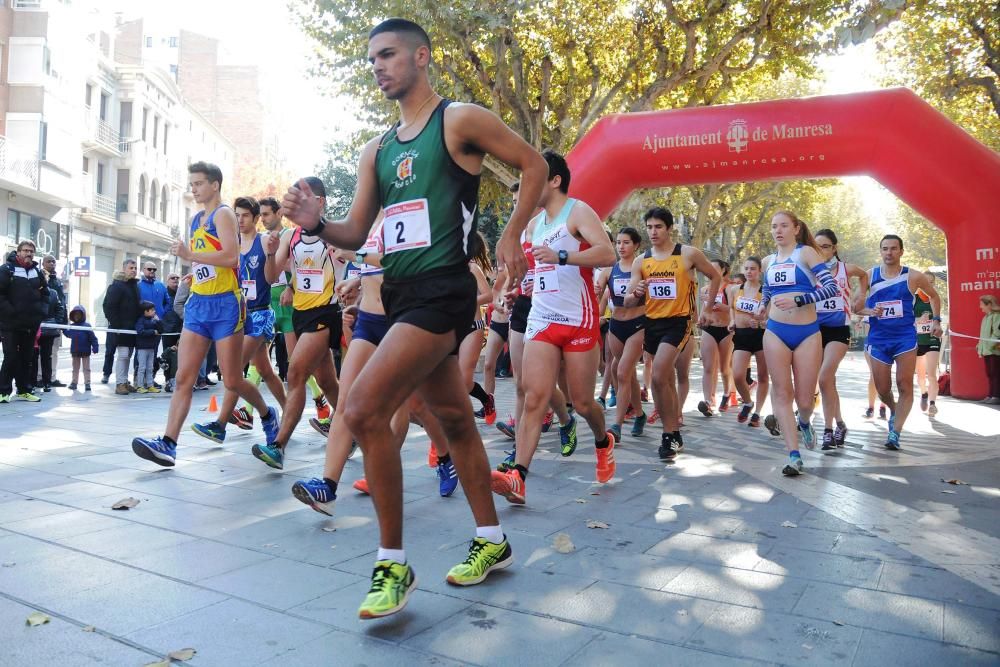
x=406, y=226
x=203, y=273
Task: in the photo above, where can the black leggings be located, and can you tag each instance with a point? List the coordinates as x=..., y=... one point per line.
x=45, y=344
x=992, y=362
x=18, y=351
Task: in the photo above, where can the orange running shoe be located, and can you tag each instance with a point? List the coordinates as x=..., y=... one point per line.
x=490, y=411
x=630, y=413
x=547, y=421
x=432, y=457
x=323, y=410
x=654, y=417
x=732, y=399
x=606, y=460
x=509, y=485
x=362, y=486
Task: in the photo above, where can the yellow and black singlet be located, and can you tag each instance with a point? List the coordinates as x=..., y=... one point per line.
x=670, y=292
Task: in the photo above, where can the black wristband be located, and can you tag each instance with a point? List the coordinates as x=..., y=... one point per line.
x=799, y=301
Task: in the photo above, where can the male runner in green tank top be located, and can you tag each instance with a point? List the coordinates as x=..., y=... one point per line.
x=424, y=174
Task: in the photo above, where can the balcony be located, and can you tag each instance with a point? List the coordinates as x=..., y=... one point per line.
x=101, y=136
x=31, y=5
x=139, y=227
x=100, y=210
x=18, y=165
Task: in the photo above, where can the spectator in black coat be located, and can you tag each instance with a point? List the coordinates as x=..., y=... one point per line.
x=24, y=303
x=121, y=308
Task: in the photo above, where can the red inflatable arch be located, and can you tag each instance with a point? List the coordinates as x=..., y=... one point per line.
x=891, y=135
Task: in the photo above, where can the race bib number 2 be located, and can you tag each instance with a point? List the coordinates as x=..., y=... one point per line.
x=203, y=273
x=620, y=286
x=406, y=226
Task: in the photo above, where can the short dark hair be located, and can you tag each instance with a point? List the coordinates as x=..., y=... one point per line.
x=146, y=305
x=557, y=167
x=211, y=171
x=315, y=184
x=723, y=264
x=890, y=237
x=272, y=202
x=247, y=204
x=409, y=29
x=660, y=213
x=632, y=233
x=515, y=186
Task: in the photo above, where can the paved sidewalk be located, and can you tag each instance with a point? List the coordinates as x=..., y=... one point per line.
x=868, y=559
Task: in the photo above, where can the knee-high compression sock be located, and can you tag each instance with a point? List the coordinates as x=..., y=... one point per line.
x=314, y=387
x=253, y=377
x=479, y=394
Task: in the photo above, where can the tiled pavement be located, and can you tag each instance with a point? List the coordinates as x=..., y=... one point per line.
x=869, y=559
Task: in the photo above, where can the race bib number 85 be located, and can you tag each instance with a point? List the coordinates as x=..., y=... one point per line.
x=781, y=275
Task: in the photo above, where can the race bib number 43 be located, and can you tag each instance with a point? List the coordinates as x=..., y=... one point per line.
x=203, y=273
x=661, y=288
x=406, y=226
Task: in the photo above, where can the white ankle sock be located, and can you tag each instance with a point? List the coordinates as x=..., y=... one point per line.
x=398, y=555
x=492, y=533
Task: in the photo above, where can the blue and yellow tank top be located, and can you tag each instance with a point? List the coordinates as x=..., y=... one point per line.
x=210, y=279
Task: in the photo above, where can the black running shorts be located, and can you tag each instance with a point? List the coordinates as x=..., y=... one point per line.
x=325, y=318
x=669, y=330
x=519, y=314
x=439, y=301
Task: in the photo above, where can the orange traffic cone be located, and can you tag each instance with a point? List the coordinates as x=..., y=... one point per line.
x=213, y=404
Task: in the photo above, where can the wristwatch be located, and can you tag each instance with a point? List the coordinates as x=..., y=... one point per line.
x=799, y=301
x=563, y=257
x=315, y=231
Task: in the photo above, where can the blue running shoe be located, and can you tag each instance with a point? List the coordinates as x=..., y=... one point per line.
x=212, y=431
x=793, y=468
x=892, y=422
x=316, y=493
x=893, y=441
x=637, y=426
x=808, y=435
x=271, y=454
x=270, y=424
x=601, y=402
x=508, y=461
x=567, y=437
x=447, y=478
x=612, y=399
x=507, y=428
x=616, y=430
x=157, y=450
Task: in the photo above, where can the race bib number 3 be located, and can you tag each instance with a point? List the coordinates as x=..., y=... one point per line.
x=406, y=226
x=249, y=289
x=782, y=275
x=661, y=288
x=203, y=273
x=890, y=309
x=620, y=286
x=546, y=279
x=309, y=280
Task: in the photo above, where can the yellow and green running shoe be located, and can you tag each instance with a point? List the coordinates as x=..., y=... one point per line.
x=392, y=584
x=484, y=557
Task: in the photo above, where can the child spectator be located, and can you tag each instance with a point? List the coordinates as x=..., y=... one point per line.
x=148, y=329
x=82, y=345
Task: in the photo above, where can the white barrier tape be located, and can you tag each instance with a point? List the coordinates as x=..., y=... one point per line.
x=961, y=335
x=73, y=327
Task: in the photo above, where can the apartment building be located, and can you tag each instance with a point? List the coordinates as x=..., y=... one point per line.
x=95, y=143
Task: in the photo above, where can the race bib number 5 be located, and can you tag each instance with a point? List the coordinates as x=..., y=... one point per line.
x=203, y=273
x=546, y=279
x=406, y=226
x=661, y=288
x=890, y=309
x=309, y=280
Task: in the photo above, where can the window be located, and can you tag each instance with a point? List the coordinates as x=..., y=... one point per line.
x=156, y=130
x=86, y=164
x=100, y=178
x=149, y=42
x=173, y=70
x=153, y=198
x=142, y=194
x=46, y=60
x=173, y=42
x=105, y=98
x=89, y=96
x=43, y=141
x=165, y=128
x=145, y=121
x=163, y=204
